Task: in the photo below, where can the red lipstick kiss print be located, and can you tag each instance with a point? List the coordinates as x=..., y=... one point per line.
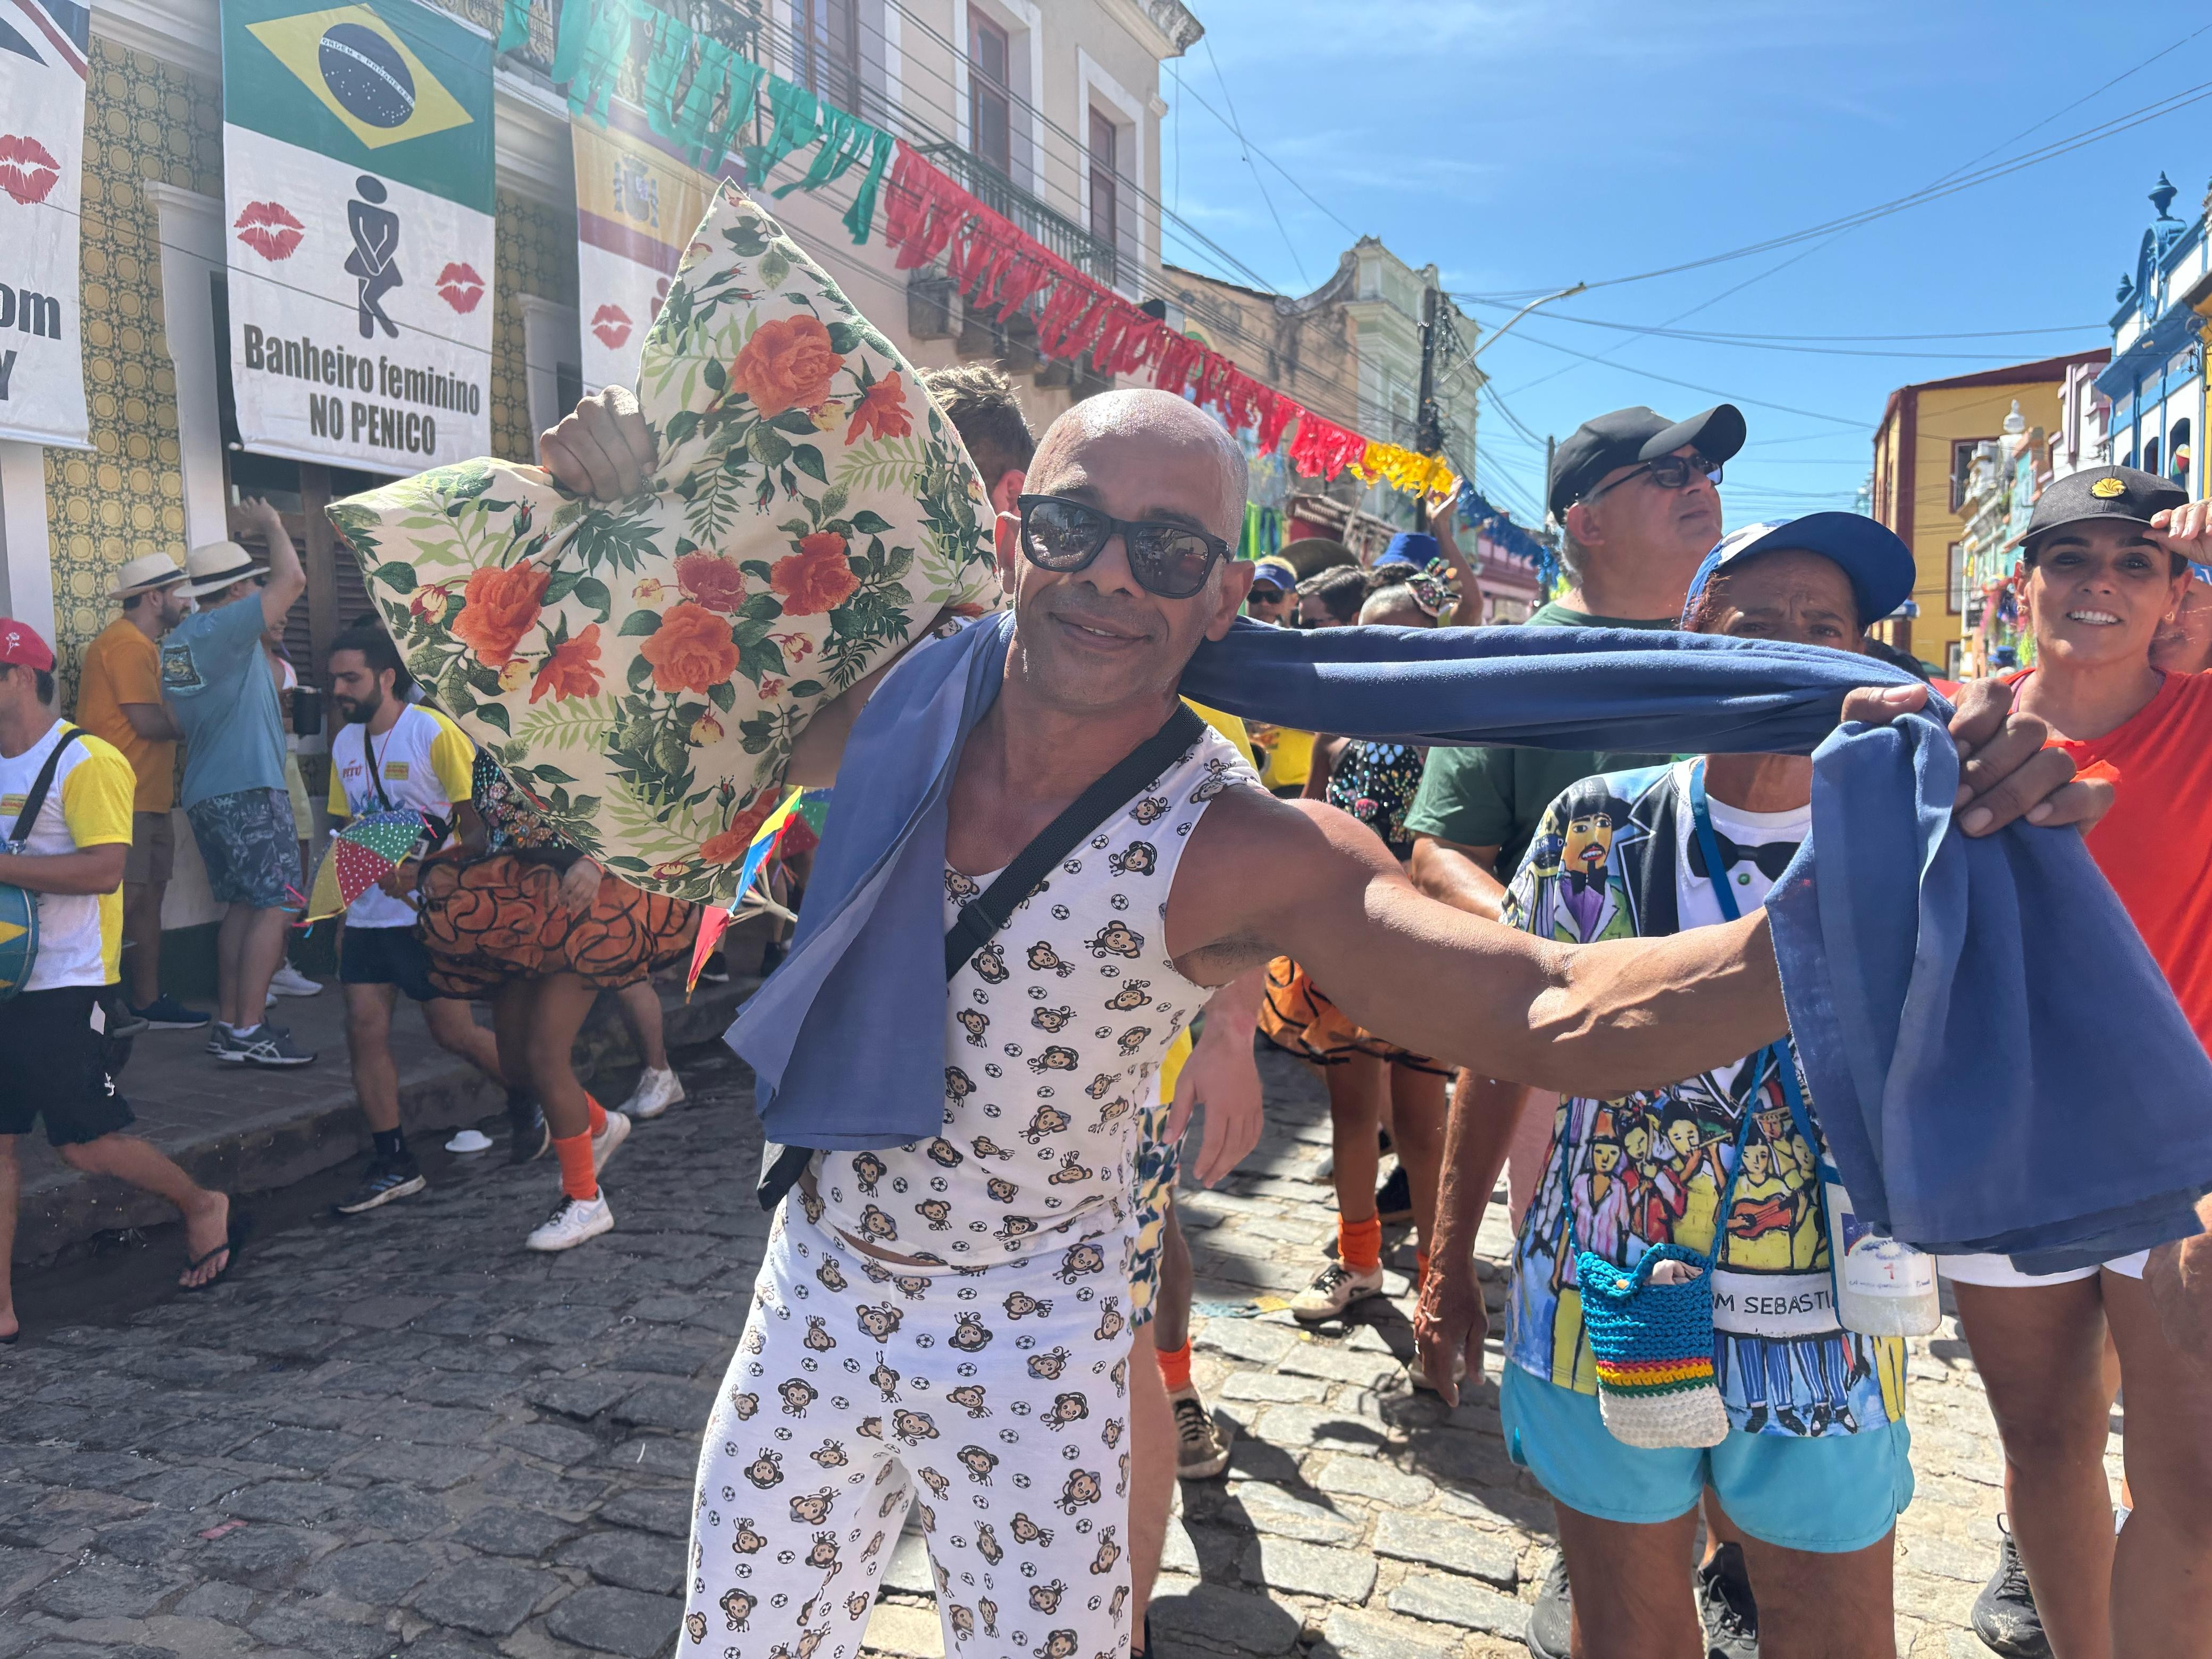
x=270, y=229
x=461, y=287
x=611, y=323
x=28, y=168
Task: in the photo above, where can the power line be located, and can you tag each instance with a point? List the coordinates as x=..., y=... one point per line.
x=2171, y=104
x=1777, y=343
x=1250, y=167
x=1691, y=385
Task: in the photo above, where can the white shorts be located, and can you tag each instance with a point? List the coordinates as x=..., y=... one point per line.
x=1998, y=1271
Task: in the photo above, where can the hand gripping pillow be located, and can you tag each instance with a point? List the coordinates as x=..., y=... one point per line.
x=641, y=667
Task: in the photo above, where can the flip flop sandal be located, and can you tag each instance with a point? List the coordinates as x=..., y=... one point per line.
x=235, y=1241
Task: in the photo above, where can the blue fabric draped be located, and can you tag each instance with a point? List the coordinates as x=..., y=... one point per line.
x=1995, y=1056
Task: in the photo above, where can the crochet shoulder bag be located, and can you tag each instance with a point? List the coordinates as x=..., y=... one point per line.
x=1653, y=1343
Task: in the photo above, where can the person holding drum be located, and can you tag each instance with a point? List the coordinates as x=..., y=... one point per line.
x=65, y=803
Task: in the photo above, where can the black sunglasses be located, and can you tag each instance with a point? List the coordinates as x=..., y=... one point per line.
x=1171, y=560
x=1668, y=473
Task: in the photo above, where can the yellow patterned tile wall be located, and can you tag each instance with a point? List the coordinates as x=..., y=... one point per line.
x=535, y=251
x=143, y=120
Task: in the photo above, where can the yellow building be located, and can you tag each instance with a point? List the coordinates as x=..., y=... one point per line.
x=1923, y=452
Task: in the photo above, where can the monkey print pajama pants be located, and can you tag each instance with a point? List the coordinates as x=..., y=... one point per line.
x=1003, y=1393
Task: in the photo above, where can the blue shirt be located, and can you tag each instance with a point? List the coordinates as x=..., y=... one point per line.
x=216, y=679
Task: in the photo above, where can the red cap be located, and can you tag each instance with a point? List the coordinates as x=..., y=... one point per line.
x=20, y=644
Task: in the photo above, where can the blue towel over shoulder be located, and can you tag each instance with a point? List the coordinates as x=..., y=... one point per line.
x=1996, y=1058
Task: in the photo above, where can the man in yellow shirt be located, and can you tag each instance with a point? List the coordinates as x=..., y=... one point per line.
x=53, y=1063
x=119, y=700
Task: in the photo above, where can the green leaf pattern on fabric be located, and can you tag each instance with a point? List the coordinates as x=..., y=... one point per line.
x=642, y=667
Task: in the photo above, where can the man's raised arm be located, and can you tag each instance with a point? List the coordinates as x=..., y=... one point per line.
x=1593, y=1019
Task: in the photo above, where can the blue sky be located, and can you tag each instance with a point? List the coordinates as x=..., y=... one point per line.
x=1525, y=145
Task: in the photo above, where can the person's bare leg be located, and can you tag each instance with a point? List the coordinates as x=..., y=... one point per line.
x=1170, y=1326
x=1151, y=1471
x=557, y=1013
x=368, y=1051
x=2040, y=1350
x=260, y=951
x=2162, y=1562
x=454, y=1028
x=1814, y=1605
x=1417, y=1118
x=11, y=1184
x=1638, y=1605
x=141, y=934
x=1356, y=1089
x=640, y=1012
x=207, y=1214
x=511, y=1005
x=229, y=952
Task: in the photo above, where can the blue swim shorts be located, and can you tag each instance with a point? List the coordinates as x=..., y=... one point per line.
x=1828, y=1494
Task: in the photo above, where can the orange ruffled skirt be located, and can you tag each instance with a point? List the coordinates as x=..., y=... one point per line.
x=500, y=918
x=1297, y=1018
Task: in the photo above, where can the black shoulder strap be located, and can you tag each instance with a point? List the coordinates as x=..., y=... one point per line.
x=34, y=803
x=981, y=917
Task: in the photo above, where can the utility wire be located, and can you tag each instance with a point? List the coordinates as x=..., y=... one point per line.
x=1259, y=183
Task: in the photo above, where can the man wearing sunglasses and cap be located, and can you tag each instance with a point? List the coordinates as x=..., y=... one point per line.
x=119, y=700
x=217, y=683
x=982, y=1328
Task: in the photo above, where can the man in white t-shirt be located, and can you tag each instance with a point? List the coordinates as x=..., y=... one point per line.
x=392, y=756
x=53, y=1062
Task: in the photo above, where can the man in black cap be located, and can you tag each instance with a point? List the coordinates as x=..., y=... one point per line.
x=1635, y=497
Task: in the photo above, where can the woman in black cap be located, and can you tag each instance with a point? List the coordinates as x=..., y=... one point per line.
x=2107, y=566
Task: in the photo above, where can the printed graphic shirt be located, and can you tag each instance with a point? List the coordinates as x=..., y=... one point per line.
x=1055, y=1034
x=217, y=678
x=1616, y=857
x=1375, y=783
x=80, y=934
x=123, y=665
x=426, y=761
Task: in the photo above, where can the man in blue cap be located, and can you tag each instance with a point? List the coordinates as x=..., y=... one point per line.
x=1810, y=1471
x=1274, y=590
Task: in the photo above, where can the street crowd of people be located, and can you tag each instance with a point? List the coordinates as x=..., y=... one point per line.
x=995, y=1323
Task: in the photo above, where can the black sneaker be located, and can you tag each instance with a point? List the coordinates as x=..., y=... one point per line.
x=2004, y=1615
x=1393, y=1199
x=386, y=1179
x=1730, y=1617
x=265, y=1045
x=529, y=1136
x=1550, y=1634
x=715, y=970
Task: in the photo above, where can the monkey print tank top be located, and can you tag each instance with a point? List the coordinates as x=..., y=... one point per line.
x=1054, y=1034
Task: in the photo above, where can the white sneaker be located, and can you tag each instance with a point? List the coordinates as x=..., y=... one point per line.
x=573, y=1221
x=1201, y=1443
x=289, y=981
x=1334, y=1288
x=655, y=1093
x=608, y=1141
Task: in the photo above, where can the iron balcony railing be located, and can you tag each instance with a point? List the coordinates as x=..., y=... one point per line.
x=1061, y=234
x=735, y=23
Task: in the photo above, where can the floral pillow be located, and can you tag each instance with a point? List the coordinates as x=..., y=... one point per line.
x=642, y=667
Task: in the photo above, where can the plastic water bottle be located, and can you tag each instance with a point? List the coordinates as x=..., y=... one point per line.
x=1883, y=1287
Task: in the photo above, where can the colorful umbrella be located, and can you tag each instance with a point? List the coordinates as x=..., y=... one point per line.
x=363, y=853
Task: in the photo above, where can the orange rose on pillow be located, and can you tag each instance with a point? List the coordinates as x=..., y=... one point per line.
x=713, y=580
x=691, y=650
x=816, y=578
x=787, y=364
x=882, y=411
x=498, y=607
x=572, y=669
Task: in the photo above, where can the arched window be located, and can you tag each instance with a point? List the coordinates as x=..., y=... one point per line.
x=2180, y=453
x=2150, y=456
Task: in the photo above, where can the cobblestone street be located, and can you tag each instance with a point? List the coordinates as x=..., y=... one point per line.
x=404, y=1433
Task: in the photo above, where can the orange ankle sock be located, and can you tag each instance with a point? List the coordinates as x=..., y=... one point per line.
x=1359, y=1244
x=575, y=1153
x=1420, y=1269
x=1175, y=1367
x=599, y=1116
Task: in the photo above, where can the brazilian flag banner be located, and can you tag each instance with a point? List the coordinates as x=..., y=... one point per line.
x=358, y=181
